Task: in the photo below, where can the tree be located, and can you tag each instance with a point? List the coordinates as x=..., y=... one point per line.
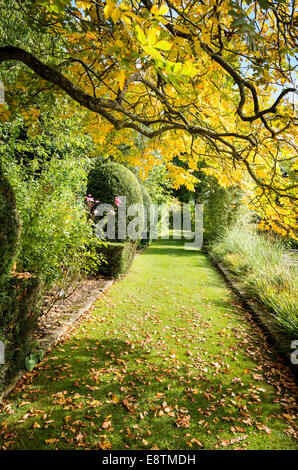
x=213, y=80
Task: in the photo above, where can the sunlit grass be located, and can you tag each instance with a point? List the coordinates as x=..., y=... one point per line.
x=166, y=360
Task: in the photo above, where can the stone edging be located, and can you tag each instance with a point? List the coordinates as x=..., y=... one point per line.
x=255, y=309
x=54, y=335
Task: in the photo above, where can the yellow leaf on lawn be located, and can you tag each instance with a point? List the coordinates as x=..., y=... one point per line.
x=51, y=441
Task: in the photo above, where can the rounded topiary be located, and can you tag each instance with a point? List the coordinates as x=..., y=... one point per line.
x=108, y=181
x=9, y=227
x=147, y=203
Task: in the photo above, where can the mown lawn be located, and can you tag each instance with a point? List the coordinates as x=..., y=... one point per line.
x=166, y=359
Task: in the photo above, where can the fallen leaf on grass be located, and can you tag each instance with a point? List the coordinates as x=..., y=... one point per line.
x=51, y=441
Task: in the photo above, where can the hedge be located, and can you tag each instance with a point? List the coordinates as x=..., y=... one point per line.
x=110, y=180
x=118, y=256
x=147, y=203
x=19, y=293
x=18, y=321
x=9, y=227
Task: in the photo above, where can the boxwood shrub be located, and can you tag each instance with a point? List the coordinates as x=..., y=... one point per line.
x=19, y=293
x=118, y=256
x=18, y=320
x=147, y=203
x=106, y=181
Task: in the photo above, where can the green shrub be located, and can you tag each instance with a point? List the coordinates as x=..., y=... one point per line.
x=48, y=172
x=9, y=227
x=19, y=294
x=221, y=209
x=236, y=262
x=56, y=229
x=118, y=258
x=48, y=175
x=110, y=180
x=147, y=203
x=18, y=320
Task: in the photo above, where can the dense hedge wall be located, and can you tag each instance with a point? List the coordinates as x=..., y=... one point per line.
x=18, y=321
x=19, y=294
x=9, y=227
x=147, y=202
x=110, y=180
x=118, y=256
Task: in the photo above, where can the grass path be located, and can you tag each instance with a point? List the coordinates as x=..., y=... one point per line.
x=165, y=360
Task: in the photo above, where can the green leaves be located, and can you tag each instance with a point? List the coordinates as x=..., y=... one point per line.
x=55, y=6
x=31, y=361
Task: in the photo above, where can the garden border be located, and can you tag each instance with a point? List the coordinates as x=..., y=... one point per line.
x=49, y=340
x=258, y=314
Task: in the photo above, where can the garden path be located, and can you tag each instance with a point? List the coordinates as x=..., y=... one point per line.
x=166, y=359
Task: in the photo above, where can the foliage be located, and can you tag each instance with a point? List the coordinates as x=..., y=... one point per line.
x=33, y=358
x=49, y=182
x=9, y=227
x=19, y=302
x=222, y=207
x=148, y=208
x=118, y=257
x=263, y=265
x=159, y=185
x=19, y=294
x=214, y=81
x=111, y=180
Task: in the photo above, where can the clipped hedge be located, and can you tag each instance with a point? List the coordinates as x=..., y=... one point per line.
x=18, y=321
x=19, y=293
x=110, y=180
x=118, y=256
x=147, y=203
x=9, y=227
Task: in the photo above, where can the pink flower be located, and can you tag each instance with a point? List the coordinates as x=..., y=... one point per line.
x=117, y=201
x=95, y=212
x=90, y=198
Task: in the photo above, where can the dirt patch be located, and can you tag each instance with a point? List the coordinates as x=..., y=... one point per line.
x=58, y=306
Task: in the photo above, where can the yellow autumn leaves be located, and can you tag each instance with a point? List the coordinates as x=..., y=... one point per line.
x=115, y=13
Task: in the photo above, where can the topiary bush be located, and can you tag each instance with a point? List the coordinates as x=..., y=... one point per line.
x=147, y=203
x=18, y=320
x=9, y=227
x=118, y=258
x=110, y=180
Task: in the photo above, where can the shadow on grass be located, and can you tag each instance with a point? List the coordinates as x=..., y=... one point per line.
x=171, y=247
x=136, y=391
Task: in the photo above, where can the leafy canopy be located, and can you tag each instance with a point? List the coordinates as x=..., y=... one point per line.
x=210, y=80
